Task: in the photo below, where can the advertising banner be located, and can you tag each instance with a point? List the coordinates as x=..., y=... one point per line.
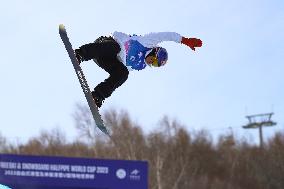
x=32, y=172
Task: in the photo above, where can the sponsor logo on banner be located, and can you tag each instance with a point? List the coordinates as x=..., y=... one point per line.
x=135, y=175
x=121, y=173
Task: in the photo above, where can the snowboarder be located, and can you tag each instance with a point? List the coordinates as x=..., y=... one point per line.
x=120, y=53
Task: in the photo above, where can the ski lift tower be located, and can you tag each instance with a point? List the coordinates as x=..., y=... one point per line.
x=259, y=121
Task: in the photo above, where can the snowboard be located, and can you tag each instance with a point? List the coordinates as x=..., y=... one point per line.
x=83, y=82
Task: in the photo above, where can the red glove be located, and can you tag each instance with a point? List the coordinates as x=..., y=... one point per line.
x=191, y=42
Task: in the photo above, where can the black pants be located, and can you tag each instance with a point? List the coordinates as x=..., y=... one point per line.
x=105, y=50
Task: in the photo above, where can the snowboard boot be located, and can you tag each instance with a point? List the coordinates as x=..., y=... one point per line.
x=78, y=54
x=98, y=98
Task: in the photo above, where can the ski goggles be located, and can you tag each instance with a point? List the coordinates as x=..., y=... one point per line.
x=160, y=58
x=155, y=61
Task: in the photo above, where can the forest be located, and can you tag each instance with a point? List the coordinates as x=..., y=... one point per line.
x=177, y=158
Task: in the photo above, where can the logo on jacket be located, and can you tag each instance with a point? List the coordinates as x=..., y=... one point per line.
x=135, y=54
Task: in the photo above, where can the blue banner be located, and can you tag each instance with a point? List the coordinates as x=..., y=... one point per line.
x=32, y=172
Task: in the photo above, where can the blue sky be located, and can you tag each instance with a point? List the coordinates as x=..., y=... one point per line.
x=238, y=71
